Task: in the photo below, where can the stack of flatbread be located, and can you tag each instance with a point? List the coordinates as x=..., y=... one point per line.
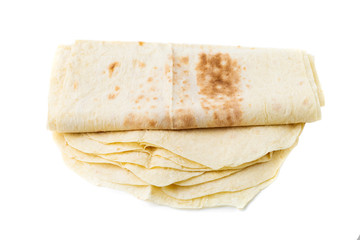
x=188, y=126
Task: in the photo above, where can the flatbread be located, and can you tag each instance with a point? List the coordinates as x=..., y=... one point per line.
x=224, y=147
x=170, y=86
x=153, y=194
x=246, y=178
x=160, y=176
x=103, y=171
x=207, y=177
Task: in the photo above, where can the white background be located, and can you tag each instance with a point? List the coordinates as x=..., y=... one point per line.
x=317, y=194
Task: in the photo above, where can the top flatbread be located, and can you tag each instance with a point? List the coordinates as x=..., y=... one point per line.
x=108, y=86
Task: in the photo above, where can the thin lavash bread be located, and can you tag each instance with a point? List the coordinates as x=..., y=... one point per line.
x=267, y=94
x=111, y=86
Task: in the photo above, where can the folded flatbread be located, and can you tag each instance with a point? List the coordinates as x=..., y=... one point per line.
x=108, y=86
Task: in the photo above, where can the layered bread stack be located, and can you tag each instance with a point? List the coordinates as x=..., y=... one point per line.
x=187, y=126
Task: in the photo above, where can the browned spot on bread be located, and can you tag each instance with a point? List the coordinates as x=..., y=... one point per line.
x=301, y=83
x=217, y=75
x=155, y=68
x=142, y=64
x=141, y=121
x=185, y=60
x=247, y=85
x=76, y=84
x=218, y=78
x=117, y=88
x=244, y=68
x=152, y=106
x=139, y=98
x=112, y=67
x=178, y=64
x=129, y=120
x=152, y=123
x=167, y=68
x=155, y=98
x=206, y=108
x=150, y=79
x=216, y=116
x=306, y=101
x=228, y=119
x=186, y=72
x=184, y=119
x=141, y=43
x=112, y=96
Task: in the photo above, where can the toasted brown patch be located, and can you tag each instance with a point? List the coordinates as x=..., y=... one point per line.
x=218, y=78
x=155, y=68
x=141, y=121
x=76, y=84
x=152, y=123
x=112, y=67
x=217, y=75
x=155, y=98
x=142, y=64
x=185, y=60
x=184, y=119
x=150, y=79
x=141, y=43
x=167, y=68
x=128, y=121
x=139, y=98
x=247, y=85
x=117, y=88
x=112, y=96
